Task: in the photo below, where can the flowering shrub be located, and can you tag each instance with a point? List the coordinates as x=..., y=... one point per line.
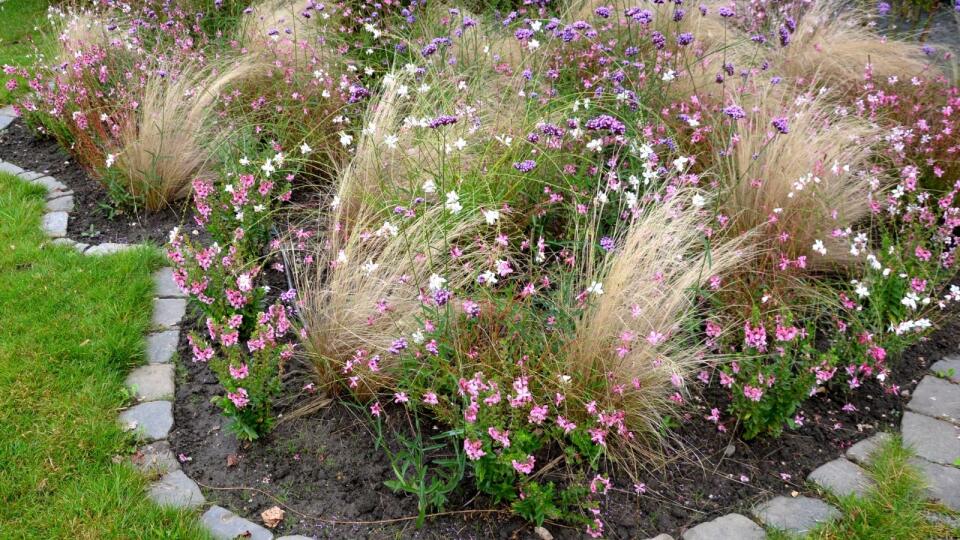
x=235, y=213
x=249, y=372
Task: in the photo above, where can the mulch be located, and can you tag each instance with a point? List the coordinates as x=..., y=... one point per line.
x=94, y=219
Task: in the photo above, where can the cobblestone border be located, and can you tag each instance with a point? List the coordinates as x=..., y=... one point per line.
x=930, y=424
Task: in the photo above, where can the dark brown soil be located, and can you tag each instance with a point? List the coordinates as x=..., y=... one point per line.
x=94, y=219
x=326, y=466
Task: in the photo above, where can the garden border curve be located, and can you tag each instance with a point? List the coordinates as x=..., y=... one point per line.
x=928, y=420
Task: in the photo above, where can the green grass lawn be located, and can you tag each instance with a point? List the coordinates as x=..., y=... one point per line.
x=71, y=327
x=20, y=25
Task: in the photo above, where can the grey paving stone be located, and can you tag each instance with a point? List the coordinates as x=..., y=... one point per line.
x=60, y=204
x=168, y=311
x=161, y=346
x=176, y=490
x=152, y=419
x=107, y=248
x=943, y=368
x=155, y=458
x=796, y=515
x=943, y=482
x=8, y=111
x=164, y=286
x=938, y=398
x=30, y=176
x=862, y=451
x=10, y=168
x=728, y=527
x=5, y=121
x=931, y=439
x=55, y=224
x=225, y=525
x=663, y=536
x=52, y=184
x=152, y=382
x=842, y=477
x=79, y=246
x=301, y=537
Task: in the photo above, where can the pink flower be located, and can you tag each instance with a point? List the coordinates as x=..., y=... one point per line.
x=430, y=398
x=400, y=397
x=375, y=409
x=753, y=394
x=470, y=413
x=538, y=414
x=523, y=467
x=502, y=437
x=566, y=425
x=239, y=398
x=474, y=449
x=755, y=336
x=600, y=485
x=240, y=372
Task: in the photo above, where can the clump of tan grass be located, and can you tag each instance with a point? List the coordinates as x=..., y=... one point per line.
x=360, y=266
x=649, y=286
x=166, y=142
x=804, y=184
x=834, y=46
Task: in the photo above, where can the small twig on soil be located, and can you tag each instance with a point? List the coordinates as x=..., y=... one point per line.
x=345, y=522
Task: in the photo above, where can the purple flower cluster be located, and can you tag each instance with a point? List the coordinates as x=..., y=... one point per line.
x=735, y=111
x=606, y=122
x=525, y=166
x=781, y=125
x=442, y=120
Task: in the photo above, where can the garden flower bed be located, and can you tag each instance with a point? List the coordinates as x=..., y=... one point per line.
x=552, y=270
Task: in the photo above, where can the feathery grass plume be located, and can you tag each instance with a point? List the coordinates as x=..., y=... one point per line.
x=796, y=188
x=632, y=335
x=166, y=142
x=364, y=288
x=276, y=26
x=834, y=46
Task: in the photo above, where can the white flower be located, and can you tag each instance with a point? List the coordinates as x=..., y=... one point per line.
x=110, y=159
x=390, y=141
x=345, y=138
x=533, y=45
x=487, y=278
x=505, y=140
x=681, y=163
x=268, y=167
x=335, y=203
x=595, y=288
x=370, y=267
x=861, y=290
x=669, y=75
x=460, y=144
x=388, y=229
x=418, y=337
x=698, y=201
x=429, y=187
x=595, y=145
x=453, y=202
x=491, y=216
x=436, y=282
x=305, y=149
x=910, y=300
x=819, y=247
x=244, y=161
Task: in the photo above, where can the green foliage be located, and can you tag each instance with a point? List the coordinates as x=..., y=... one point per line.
x=430, y=479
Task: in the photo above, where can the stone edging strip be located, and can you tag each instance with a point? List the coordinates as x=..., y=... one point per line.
x=930, y=425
